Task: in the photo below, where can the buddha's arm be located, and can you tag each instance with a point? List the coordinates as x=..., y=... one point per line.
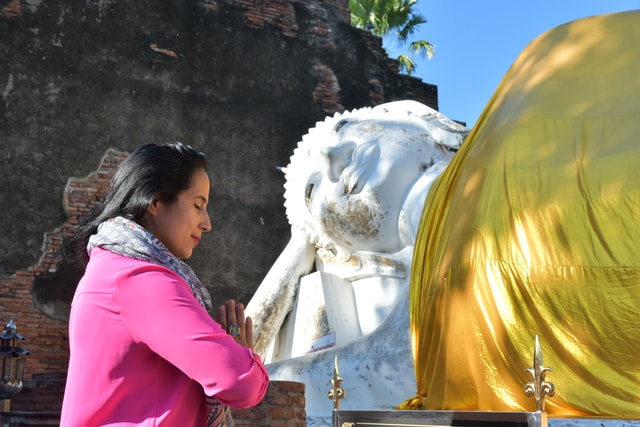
x=274, y=298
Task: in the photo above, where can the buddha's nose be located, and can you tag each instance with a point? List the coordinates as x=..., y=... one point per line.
x=336, y=158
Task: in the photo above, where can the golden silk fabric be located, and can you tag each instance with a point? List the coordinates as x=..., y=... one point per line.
x=534, y=229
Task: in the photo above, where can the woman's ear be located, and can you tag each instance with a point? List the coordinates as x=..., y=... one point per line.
x=152, y=208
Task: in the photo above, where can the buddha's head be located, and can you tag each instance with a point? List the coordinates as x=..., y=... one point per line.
x=349, y=176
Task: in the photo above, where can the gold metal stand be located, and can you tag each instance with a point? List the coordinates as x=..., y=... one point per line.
x=336, y=394
x=538, y=388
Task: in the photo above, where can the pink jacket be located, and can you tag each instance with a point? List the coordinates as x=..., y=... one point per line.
x=144, y=352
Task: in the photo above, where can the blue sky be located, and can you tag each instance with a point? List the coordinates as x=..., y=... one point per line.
x=477, y=41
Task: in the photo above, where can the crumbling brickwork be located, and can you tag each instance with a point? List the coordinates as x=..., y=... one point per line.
x=46, y=338
x=282, y=406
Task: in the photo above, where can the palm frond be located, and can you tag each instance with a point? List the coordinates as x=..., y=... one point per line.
x=423, y=48
x=406, y=64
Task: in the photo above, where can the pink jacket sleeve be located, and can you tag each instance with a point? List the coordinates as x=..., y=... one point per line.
x=160, y=311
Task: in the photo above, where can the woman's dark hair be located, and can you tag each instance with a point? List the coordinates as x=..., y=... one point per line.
x=162, y=170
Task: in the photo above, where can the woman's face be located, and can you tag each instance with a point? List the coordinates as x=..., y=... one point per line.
x=179, y=225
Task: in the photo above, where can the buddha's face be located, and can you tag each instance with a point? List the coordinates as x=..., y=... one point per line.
x=359, y=180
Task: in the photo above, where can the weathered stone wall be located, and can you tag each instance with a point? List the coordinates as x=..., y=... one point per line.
x=83, y=83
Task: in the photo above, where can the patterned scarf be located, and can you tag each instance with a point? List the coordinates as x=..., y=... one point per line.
x=127, y=238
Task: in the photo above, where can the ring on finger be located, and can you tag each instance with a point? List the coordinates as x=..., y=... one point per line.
x=234, y=330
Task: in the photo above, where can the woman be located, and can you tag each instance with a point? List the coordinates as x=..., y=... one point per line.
x=144, y=349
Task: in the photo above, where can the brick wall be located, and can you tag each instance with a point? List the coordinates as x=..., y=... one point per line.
x=59, y=112
x=45, y=337
x=281, y=14
x=283, y=406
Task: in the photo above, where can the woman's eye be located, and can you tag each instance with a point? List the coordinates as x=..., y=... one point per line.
x=198, y=207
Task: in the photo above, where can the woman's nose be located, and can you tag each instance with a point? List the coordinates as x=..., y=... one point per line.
x=206, y=224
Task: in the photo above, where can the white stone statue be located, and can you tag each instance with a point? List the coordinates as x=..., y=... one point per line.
x=354, y=194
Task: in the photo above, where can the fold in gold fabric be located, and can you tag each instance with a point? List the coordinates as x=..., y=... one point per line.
x=534, y=229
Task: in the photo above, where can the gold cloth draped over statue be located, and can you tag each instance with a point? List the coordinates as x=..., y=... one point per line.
x=534, y=229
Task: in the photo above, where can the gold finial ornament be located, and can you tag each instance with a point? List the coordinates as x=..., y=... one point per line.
x=336, y=394
x=538, y=388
